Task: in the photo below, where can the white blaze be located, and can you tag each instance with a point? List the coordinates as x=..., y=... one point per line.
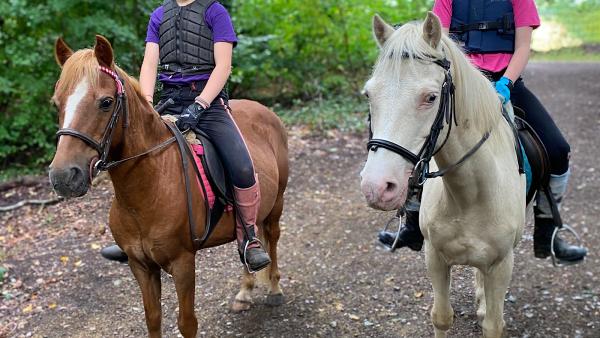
x=73, y=101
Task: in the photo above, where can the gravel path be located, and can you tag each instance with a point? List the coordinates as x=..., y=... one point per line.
x=337, y=282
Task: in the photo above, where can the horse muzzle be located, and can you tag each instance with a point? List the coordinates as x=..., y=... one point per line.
x=72, y=181
x=383, y=194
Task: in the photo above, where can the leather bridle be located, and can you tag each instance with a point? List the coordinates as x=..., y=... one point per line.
x=103, y=146
x=446, y=113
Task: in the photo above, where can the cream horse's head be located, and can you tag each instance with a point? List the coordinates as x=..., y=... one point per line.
x=404, y=96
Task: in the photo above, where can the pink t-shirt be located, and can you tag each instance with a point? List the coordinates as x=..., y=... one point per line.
x=526, y=15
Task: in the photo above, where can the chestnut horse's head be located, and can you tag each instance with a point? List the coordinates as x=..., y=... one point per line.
x=88, y=97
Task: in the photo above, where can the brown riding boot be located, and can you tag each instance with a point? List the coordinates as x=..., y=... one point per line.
x=251, y=252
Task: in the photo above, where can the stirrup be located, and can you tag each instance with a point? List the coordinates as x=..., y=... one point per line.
x=248, y=242
x=397, y=218
x=558, y=262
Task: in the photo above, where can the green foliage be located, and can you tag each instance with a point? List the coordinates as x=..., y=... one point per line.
x=310, y=49
x=28, y=29
x=581, y=18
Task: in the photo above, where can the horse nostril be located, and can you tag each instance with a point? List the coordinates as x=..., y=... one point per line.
x=390, y=186
x=75, y=175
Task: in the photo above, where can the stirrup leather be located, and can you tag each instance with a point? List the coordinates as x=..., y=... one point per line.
x=555, y=260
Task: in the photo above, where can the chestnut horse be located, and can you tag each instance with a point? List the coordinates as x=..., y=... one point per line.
x=148, y=217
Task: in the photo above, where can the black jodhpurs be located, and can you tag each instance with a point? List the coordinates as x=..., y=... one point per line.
x=217, y=122
x=538, y=117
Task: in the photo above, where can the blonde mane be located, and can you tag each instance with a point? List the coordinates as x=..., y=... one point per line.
x=477, y=103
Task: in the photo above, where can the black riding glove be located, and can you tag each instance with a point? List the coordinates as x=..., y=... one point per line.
x=190, y=117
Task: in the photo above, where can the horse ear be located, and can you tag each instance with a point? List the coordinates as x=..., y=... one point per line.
x=432, y=30
x=381, y=30
x=103, y=51
x=61, y=51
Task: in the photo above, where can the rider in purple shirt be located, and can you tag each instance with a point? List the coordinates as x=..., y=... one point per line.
x=191, y=44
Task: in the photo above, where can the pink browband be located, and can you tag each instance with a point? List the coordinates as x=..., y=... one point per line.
x=114, y=75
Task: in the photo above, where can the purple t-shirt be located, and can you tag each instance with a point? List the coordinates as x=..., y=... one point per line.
x=216, y=18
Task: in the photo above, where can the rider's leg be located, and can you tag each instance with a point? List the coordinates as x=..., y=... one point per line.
x=410, y=233
x=558, y=151
x=219, y=125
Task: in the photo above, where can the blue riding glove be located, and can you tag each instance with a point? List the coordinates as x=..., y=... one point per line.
x=190, y=117
x=504, y=86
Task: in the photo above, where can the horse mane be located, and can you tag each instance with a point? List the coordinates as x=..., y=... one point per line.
x=477, y=104
x=83, y=64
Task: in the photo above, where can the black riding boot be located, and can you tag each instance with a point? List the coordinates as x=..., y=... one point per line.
x=114, y=253
x=542, y=238
x=410, y=234
x=545, y=224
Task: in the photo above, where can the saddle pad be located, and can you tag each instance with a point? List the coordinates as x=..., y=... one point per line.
x=198, y=150
x=527, y=169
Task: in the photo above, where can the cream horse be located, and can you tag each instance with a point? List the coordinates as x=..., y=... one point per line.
x=474, y=214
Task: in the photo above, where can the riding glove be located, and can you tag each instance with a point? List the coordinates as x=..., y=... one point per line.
x=190, y=117
x=504, y=86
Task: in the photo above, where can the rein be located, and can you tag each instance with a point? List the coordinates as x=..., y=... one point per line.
x=103, y=146
x=446, y=113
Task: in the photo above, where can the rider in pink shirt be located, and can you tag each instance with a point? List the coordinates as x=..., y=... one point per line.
x=496, y=36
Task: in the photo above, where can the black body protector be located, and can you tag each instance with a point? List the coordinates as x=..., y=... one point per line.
x=186, y=42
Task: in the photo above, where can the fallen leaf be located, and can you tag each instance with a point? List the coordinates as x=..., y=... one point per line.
x=418, y=294
x=78, y=263
x=52, y=305
x=95, y=246
x=64, y=259
x=354, y=317
x=339, y=306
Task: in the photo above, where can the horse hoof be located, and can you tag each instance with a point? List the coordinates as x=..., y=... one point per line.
x=240, y=306
x=275, y=300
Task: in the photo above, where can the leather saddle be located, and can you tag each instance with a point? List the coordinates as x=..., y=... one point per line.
x=215, y=172
x=535, y=152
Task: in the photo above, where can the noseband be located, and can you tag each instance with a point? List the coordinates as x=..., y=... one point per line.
x=103, y=146
x=446, y=112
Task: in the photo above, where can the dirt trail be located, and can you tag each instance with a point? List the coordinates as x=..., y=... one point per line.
x=337, y=282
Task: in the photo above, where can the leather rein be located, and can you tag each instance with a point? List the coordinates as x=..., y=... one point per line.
x=446, y=113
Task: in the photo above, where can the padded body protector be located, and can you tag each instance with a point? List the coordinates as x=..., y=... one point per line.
x=186, y=42
x=483, y=26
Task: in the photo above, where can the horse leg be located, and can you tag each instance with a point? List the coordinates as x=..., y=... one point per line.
x=149, y=280
x=184, y=275
x=496, y=281
x=243, y=299
x=271, y=235
x=442, y=313
x=479, y=296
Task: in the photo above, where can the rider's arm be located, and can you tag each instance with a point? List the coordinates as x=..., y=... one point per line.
x=521, y=54
x=218, y=77
x=148, y=71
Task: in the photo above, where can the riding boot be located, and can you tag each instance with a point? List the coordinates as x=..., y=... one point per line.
x=114, y=253
x=545, y=226
x=250, y=248
x=410, y=233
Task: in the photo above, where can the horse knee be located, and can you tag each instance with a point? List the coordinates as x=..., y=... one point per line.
x=442, y=320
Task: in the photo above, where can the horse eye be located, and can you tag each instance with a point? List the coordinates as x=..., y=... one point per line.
x=106, y=103
x=431, y=98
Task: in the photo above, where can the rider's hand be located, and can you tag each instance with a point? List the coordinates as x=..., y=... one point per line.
x=504, y=86
x=190, y=116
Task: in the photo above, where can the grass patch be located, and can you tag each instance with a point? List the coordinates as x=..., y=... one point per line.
x=578, y=54
x=344, y=113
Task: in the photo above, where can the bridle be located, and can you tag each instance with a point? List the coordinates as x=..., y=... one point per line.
x=446, y=113
x=103, y=146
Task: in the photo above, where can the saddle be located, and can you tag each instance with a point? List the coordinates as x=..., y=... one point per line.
x=210, y=176
x=536, y=157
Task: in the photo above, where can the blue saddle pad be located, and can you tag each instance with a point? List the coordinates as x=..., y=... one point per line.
x=527, y=169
